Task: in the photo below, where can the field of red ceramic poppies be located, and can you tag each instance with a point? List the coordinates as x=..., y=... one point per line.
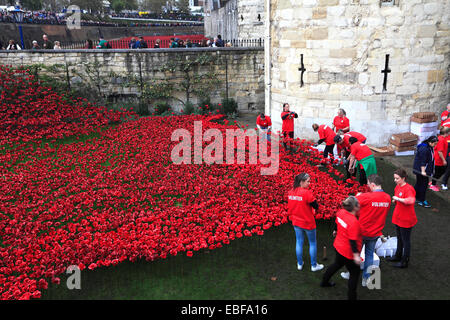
x=115, y=194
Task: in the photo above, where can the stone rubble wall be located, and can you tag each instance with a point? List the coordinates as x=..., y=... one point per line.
x=344, y=44
x=245, y=68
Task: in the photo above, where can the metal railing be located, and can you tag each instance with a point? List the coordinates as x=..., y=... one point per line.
x=164, y=43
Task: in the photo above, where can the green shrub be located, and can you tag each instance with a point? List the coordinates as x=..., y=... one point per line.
x=189, y=108
x=162, y=107
x=204, y=106
x=229, y=106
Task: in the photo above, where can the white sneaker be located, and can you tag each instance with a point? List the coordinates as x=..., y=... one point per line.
x=364, y=282
x=444, y=187
x=317, y=267
x=345, y=275
x=300, y=267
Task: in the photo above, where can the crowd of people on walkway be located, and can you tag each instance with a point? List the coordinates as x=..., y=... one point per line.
x=362, y=218
x=135, y=43
x=46, y=44
x=163, y=15
x=58, y=18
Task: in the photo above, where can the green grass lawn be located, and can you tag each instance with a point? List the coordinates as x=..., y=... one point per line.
x=264, y=267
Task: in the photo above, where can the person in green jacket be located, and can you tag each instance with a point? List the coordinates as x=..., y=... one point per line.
x=103, y=44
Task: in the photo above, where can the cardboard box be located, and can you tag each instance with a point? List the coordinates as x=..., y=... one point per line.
x=402, y=144
x=427, y=120
x=404, y=153
x=404, y=137
x=404, y=148
x=424, y=115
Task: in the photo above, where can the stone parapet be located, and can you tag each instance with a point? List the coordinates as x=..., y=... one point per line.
x=240, y=71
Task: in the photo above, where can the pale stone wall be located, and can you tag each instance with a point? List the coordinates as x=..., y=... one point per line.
x=251, y=19
x=222, y=21
x=243, y=67
x=344, y=44
x=237, y=19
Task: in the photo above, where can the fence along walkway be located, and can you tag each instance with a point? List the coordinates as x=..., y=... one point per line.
x=164, y=43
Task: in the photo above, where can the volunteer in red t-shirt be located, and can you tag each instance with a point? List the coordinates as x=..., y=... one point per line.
x=264, y=124
x=348, y=244
x=446, y=114
x=343, y=147
x=444, y=184
x=326, y=134
x=360, y=154
x=359, y=136
x=372, y=218
x=301, y=207
x=446, y=123
x=404, y=217
x=440, y=157
x=288, y=125
x=341, y=122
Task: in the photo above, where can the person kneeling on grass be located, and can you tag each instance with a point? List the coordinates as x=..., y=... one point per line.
x=301, y=206
x=348, y=245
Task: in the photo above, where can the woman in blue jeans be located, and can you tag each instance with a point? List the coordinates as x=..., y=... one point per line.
x=301, y=206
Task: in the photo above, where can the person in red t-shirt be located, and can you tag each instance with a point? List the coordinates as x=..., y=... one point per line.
x=341, y=122
x=288, y=125
x=326, y=134
x=348, y=244
x=440, y=157
x=264, y=125
x=447, y=170
x=360, y=154
x=404, y=218
x=446, y=114
x=359, y=136
x=372, y=218
x=301, y=206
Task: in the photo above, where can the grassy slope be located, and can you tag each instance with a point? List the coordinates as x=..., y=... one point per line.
x=264, y=267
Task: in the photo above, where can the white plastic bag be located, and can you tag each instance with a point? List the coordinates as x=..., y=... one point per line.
x=387, y=248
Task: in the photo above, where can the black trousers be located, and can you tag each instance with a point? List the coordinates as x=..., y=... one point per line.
x=421, y=187
x=403, y=242
x=438, y=172
x=328, y=150
x=362, y=176
x=351, y=266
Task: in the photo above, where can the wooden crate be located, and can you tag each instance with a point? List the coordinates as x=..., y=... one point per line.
x=424, y=115
x=401, y=149
x=403, y=144
x=425, y=120
x=405, y=137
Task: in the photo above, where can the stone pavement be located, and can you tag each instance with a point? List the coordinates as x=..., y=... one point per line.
x=405, y=162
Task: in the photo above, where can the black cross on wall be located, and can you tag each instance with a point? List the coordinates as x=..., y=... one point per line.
x=386, y=71
x=302, y=69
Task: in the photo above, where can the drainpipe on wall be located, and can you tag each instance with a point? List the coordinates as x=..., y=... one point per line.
x=267, y=62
